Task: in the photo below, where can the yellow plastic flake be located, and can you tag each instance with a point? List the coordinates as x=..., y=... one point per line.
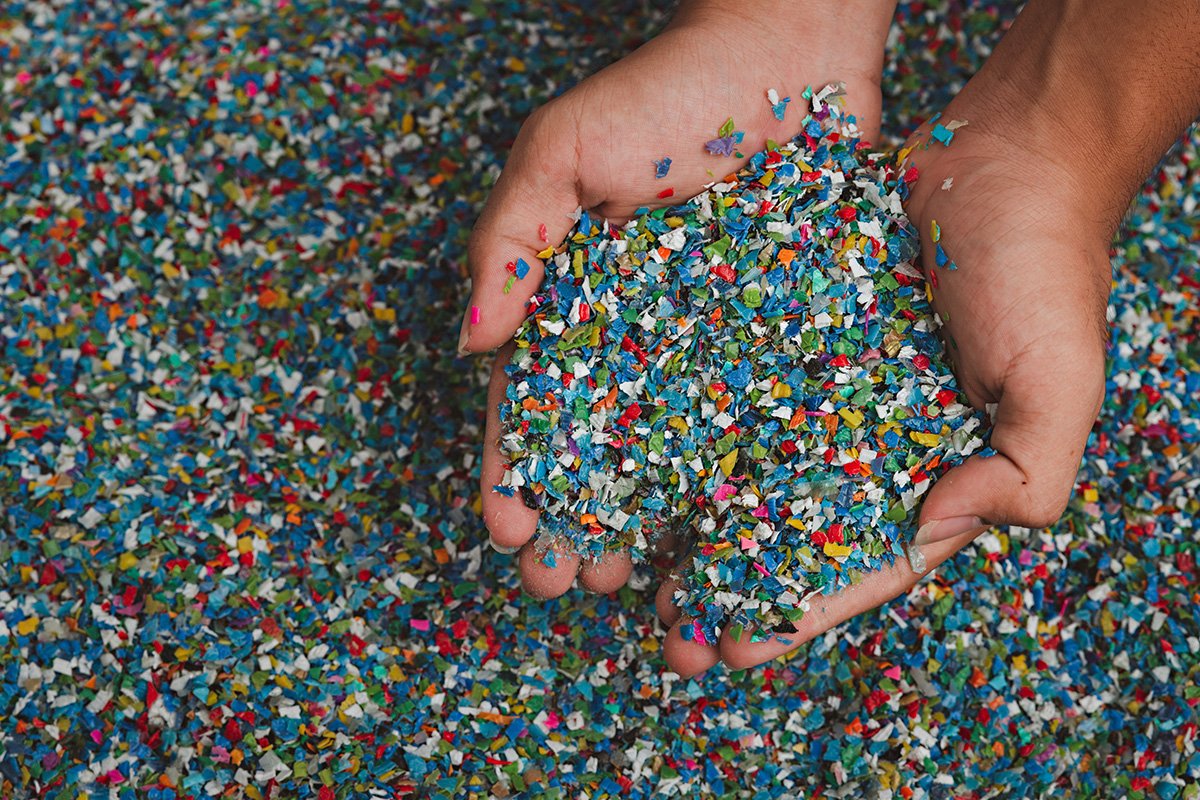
x=729, y=461
x=1090, y=495
x=781, y=389
x=126, y=561
x=927, y=439
x=385, y=314
x=935, y=230
x=27, y=626
x=549, y=251
x=835, y=550
x=853, y=418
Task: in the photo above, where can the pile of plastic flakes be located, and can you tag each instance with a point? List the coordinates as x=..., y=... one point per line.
x=240, y=546
x=757, y=369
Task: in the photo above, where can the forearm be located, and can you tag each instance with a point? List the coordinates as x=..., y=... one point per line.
x=1105, y=85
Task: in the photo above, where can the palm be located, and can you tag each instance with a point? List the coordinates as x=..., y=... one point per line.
x=667, y=99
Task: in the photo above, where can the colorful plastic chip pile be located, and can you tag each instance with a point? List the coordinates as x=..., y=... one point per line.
x=757, y=369
x=240, y=549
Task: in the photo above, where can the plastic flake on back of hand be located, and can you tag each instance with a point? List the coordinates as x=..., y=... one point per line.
x=758, y=366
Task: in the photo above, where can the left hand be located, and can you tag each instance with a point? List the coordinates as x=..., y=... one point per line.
x=595, y=146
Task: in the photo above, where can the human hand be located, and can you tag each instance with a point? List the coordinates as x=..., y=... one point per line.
x=1026, y=196
x=1024, y=323
x=595, y=146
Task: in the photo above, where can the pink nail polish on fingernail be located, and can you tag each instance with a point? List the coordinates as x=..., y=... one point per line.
x=474, y=315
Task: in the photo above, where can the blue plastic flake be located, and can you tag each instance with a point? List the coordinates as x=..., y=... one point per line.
x=942, y=134
x=780, y=108
x=661, y=168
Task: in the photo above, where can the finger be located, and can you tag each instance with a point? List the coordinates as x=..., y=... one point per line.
x=607, y=573
x=664, y=599
x=536, y=188
x=1043, y=419
x=509, y=522
x=826, y=611
x=664, y=602
x=688, y=658
x=547, y=572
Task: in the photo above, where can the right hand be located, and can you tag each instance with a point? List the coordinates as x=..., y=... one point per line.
x=594, y=147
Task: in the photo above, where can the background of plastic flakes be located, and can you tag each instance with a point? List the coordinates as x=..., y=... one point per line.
x=240, y=551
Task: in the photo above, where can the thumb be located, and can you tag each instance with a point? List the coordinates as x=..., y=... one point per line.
x=1042, y=425
x=537, y=188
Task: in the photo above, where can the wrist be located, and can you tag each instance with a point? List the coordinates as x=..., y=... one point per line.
x=1097, y=89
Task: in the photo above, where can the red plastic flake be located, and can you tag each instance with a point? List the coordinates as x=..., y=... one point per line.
x=725, y=272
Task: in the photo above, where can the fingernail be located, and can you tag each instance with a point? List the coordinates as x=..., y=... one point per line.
x=939, y=530
x=499, y=548
x=470, y=318
x=916, y=559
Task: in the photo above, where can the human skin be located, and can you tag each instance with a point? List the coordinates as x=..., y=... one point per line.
x=1066, y=118
x=594, y=147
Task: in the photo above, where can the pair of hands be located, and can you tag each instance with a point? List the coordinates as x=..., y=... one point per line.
x=1024, y=314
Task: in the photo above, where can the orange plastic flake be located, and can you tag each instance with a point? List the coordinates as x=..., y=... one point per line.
x=609, y=401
